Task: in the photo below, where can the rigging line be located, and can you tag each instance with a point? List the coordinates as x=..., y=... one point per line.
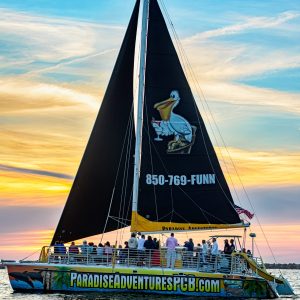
x=256, y=248
x=151, y=158
x=247, y=196
x=208, y=155
x=128, y=166
x=194, y=78
x=161, y=218
x=129, y=159
x=201, y=209
x=166, y=170
x=210, y=161
x=203, y=96
x=215, y=138
x=128, y=207
x=125, y=176
x=187, y=236
x=243, y=187
x=189, y=70
x=112, y=195
x=123, y=229
x=261, y=228
x=118, y=220
x=122, y=198
x=118, y=169
x=183, y=58
x=213, y=132
x=126, y=171
x=176, y=213
x=252, y=208
x=30, y=254
x=172, y=201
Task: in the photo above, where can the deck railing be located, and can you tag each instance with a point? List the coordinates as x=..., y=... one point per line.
x=162, y=258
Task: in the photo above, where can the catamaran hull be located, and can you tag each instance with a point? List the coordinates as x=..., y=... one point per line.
x=75, y=278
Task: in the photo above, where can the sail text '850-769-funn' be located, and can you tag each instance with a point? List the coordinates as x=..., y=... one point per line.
x=193, y=179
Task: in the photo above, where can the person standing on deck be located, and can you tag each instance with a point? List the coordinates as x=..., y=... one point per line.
x=214, y=252
x=141, y=243
x=232, y=246
x=133, y=242
x=204, y=251
x=227, y=247
x=149, y=244
x=100, y=253
x=73, y=249
x=155, y=260
x=84, y=248
x=141, y=249
x=171, y=243
x=156, y=243
x=132, y=245
x=190, y=252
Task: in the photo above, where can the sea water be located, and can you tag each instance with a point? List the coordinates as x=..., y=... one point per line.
x=6, y=292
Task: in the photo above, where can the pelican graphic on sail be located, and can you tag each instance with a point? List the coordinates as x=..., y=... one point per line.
x=173, y=124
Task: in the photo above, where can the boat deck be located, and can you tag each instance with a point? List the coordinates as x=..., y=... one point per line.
x=154, y=259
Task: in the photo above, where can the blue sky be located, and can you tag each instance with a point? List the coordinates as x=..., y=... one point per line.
x=56, y=58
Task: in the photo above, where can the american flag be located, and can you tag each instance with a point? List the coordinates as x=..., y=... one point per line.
x=241, y=210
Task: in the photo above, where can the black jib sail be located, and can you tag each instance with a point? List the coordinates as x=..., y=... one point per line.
x=100, y=198
x=181, y=185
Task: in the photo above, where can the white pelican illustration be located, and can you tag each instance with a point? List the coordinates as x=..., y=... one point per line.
x=171, y=123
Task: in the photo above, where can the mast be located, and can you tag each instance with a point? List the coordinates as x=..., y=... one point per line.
x=140, y=103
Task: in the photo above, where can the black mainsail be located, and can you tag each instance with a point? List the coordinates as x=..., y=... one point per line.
x=181, y=186
x=100, y=197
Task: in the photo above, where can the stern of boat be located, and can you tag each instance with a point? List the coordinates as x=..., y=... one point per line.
x=25, y=277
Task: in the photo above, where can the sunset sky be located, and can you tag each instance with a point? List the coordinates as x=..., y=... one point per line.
x=56, y=58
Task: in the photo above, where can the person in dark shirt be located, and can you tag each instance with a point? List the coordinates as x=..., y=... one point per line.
x=60, y=251
x=156, y=243
x=232, y=246
x=155, y=259
x=56, y=247
x=73, y=249
x=149, y=244
x=189, y=245
x=227, y=249
x=61, y=248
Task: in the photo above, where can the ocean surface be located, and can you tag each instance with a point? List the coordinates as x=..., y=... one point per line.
x=7, y=293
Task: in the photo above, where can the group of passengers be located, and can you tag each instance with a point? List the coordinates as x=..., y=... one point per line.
x=205, y=255
x=144, y=251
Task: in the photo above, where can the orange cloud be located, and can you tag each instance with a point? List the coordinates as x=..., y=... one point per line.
x=32, y=190
x=260, y=167
x=22, y=244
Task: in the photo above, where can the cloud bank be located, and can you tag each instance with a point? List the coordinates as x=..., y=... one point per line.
x=35, y=172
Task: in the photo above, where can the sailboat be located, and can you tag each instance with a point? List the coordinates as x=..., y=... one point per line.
x=149, y=164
